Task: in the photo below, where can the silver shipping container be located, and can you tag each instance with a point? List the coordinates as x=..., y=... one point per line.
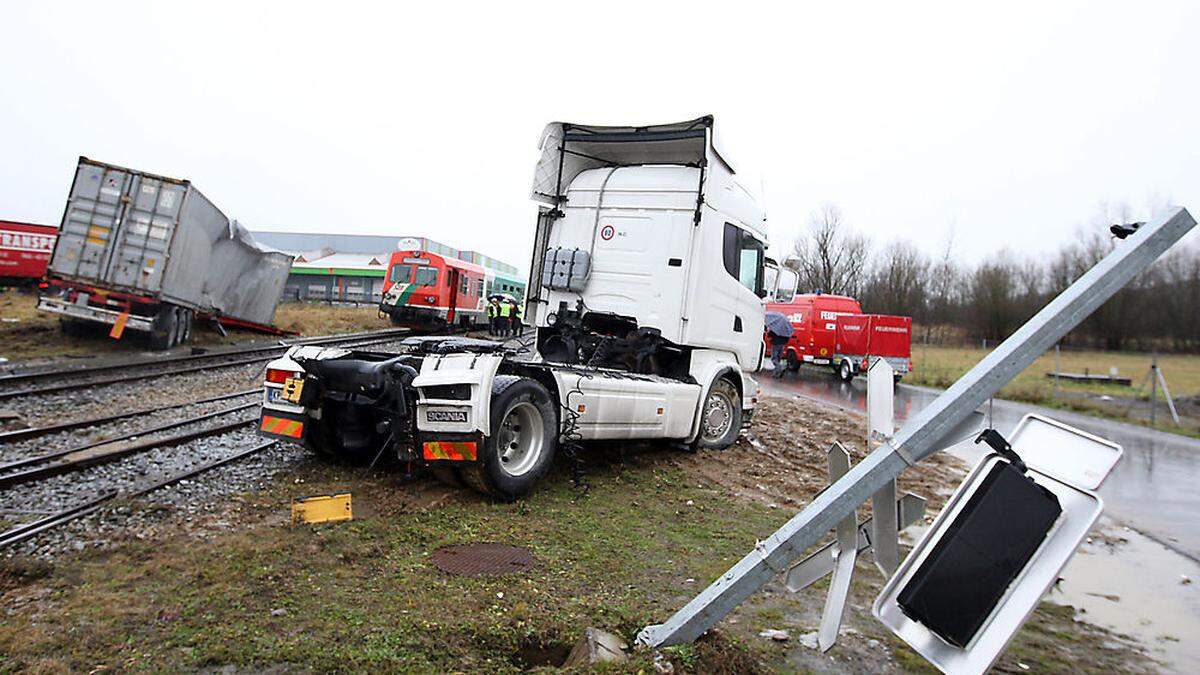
x=148, y=235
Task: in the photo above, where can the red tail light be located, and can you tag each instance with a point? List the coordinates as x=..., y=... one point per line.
x=278, y=376
x=43, y=285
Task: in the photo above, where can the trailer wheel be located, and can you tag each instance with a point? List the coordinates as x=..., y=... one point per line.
x=846, y=371
x=522, y=442
x=721, y=416
x=165, y=325
x=185, y=320
x=73, y=327
x=177, y=333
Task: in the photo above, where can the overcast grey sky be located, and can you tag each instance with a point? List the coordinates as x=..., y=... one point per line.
x=1009, y=124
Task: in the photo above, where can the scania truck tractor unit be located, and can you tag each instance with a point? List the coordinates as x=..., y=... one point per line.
x=646, y=299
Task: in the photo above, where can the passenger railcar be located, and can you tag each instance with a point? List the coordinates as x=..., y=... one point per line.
x=425, y=290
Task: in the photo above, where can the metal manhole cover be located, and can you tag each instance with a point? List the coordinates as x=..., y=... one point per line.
x=473, y=560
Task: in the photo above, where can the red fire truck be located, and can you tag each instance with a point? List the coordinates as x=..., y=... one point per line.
x=832, y=331
x=24, y=252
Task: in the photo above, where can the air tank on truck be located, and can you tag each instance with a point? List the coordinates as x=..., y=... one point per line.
x=646, y=297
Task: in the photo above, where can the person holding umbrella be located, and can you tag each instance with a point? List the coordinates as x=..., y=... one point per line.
x=779, y=331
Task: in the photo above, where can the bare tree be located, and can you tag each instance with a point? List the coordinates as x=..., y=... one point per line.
x=831, y=259
x=898, y=282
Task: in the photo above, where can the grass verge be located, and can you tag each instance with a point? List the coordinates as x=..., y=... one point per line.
x=246, y=590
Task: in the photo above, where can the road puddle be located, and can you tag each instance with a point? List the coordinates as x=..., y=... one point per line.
x=1128, y=583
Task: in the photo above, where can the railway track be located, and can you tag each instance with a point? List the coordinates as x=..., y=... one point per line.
x=103, y=451
x=28, y=530
x=65, y=379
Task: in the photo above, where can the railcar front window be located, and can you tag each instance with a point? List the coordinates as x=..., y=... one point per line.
x=426, y=276
x=400, y=274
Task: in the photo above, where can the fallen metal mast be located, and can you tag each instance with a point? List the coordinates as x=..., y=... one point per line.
x=920, y=437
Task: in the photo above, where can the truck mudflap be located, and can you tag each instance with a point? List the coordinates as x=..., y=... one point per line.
x=450, y=450
x=282, y=425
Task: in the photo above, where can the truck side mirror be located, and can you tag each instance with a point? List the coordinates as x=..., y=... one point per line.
x=761, y=293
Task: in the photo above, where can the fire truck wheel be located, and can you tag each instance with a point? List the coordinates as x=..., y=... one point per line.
x=793, y=362
x=846, y=371
x=520, y=448
x=721, y=416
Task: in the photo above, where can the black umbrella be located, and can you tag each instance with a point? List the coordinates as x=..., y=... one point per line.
x=778, y=324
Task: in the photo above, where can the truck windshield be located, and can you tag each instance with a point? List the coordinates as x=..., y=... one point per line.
x=426, y=276
x=400, y=274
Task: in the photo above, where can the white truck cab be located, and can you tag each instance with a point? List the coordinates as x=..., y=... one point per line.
x=646, y=296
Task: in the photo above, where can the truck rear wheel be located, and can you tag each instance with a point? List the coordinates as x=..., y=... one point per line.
x=166, y=325
x=523, y=439
x=721, y=416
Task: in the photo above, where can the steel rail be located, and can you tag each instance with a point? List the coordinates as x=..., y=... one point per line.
x=22, y=532
x=34, y=432
x=11, y=378
x=121, y=450
x=133, y=377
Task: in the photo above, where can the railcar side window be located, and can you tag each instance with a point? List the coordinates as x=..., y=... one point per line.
x=743, y=256
x=426, y=276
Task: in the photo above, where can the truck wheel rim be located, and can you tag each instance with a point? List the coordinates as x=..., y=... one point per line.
x=718, y=415
x=520, y=439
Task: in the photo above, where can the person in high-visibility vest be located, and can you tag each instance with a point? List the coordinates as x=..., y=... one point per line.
x=516, y=319
x=493, y=312
x=505, y=323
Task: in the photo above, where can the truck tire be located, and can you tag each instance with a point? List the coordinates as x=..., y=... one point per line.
x=73, y=327
x=177, y=334
x=185, y=322
x=793, y=362
x=165, y=325
x=524, y=436
x=720, y=416
x=846, y=371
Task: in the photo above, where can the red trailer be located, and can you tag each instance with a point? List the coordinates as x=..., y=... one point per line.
x=832, y=331
x=24, y=252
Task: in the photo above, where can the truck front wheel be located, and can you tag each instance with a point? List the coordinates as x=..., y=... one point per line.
x=523, y=439
x=721, y=416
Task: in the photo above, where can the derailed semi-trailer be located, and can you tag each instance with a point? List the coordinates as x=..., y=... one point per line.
x=646, y=295
x=152, y=254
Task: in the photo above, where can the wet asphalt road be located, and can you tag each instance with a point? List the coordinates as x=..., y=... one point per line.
x=1153, y=489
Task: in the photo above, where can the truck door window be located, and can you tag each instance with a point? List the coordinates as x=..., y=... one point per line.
x=400, y=274
x=743, y=256
x=426, y=276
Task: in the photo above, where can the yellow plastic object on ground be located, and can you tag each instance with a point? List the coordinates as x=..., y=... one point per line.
x=322, y=509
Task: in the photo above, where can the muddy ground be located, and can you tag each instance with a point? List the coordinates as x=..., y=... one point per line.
x=234, y=586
